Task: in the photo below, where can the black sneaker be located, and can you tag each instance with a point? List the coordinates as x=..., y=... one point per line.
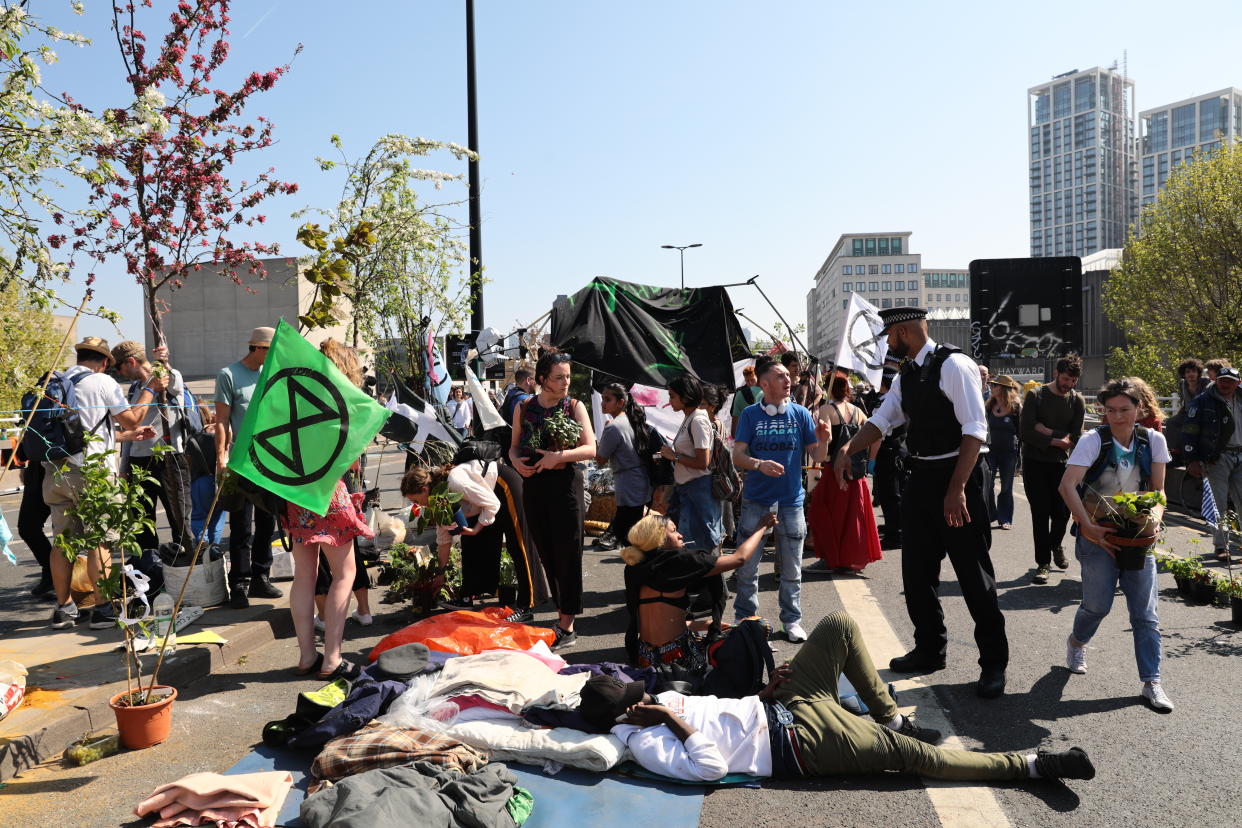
x=102, y=618
x=261, y=587
x=1069, y=764
x=1041, y=576
x=522, y=616
x=65, y=616
x=606, y=541
x=466, y=602
x=916, y=662
x=564, y=639
x=43, y=589
x=237, y=595
x=923, y=734
x=1058, y=557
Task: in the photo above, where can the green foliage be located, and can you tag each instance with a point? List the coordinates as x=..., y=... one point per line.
x=1181, y=567
x=440, y=508
x=332, y=269
x=413, y=572
x=28, y=342
x=1134, y=504
x=1229, y=587
x=1178, y=291
x=508, y=572
x=562, y=431
x=112, y=511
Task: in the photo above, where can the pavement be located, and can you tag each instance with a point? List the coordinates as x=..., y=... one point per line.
x=1153, y=768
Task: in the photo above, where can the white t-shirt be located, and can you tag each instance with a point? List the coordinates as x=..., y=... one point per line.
x=98, y=395
x=1126, y=476
x=460, y=412
x=695, y=433
x=732, y=737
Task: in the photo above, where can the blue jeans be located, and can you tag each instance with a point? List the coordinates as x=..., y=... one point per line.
x=790, y=534
x=1003, y=464
x=202, y=491
x=1099, y=580
x=696, y=511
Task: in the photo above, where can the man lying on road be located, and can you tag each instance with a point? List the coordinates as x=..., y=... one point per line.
x=797, y=727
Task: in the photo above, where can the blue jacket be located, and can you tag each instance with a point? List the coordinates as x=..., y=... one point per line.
x=1208, y=427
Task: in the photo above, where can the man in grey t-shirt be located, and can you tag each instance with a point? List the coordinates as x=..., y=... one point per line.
x=250, y=553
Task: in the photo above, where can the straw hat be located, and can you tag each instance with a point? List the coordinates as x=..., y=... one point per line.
x=262, y=336
x=96, y=344
x=1005, y=380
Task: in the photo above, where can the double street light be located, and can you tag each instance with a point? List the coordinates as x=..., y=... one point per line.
x=682, y=250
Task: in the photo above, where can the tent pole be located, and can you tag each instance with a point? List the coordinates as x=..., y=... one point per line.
x=754, y=280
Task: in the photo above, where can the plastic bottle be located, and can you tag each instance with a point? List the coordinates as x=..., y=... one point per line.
x=162, y=609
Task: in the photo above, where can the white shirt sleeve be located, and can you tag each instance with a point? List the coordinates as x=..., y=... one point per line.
x=1159, y=448
x=1088, y=448
x=658, y=750
x=467, y=479
x=114, y=397
x=959, y=380
x=889, y=415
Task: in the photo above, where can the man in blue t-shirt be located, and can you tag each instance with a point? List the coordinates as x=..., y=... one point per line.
x=771, y=437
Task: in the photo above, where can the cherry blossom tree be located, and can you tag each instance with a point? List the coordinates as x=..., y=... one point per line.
x=170, y=205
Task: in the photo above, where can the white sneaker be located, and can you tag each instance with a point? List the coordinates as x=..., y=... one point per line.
x=1156, y=697
x=364, y=620
x=319, y=625
x=795, y=633
x=1075, y=657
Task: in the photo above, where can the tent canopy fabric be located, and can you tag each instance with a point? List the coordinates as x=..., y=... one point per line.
x=646, y=334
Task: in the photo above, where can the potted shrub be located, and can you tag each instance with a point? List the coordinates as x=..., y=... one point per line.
x=1232, y=588
x=414, y=574
x=112, y=512
x=1203, y=587
x=563, y=433
x=506, y=592
x=1134, y=529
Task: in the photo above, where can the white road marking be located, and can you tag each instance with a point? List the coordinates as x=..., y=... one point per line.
x=959, y=804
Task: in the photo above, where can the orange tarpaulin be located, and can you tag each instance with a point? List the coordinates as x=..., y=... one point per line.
x=467, y=632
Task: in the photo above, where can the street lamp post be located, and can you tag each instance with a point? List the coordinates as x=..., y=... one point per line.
x=681, y=249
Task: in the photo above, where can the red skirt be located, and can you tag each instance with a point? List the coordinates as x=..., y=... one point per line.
x=843, y=524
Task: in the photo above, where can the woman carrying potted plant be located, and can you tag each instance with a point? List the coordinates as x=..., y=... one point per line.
x=489, y=499
x=551, y=434
x=1107, y=470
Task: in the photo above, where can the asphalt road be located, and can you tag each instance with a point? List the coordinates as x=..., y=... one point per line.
x=1174, y=769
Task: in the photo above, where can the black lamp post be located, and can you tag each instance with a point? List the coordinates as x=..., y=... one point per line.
x=681, y=249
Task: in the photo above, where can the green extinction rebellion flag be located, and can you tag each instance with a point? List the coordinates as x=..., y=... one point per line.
x=306, y=424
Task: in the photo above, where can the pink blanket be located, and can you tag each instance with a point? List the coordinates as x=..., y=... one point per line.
x=248, y=800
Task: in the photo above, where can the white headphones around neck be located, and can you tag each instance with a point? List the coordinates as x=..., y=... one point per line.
x=773, y=410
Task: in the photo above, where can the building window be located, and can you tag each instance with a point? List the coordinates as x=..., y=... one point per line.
x=847, y=270
x=845, y=303
x=886, y=286
x=870, y=247
x=873, y=270
x=912, y=285
x=883, y=243
x=1184, y=125
x=913, y=301
x=886, y=303
x=899, y=303
x=886, y=269
x=1061, y=100
x=899, y=268
x=912, y=269
x=894, y=245
x=875, y=287
x=858, y=247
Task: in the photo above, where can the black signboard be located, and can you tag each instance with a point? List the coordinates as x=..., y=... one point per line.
x=455, y=349
x=1026, y=307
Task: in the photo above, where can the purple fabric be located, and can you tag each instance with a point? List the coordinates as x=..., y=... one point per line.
x=621, y=672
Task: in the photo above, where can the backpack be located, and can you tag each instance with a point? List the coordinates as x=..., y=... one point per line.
x=726, y=482
x=55, y=432
x=485, y=451
x=738, y=661
x=191, y=417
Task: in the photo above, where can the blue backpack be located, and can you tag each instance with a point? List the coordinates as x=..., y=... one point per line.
x=56, y=432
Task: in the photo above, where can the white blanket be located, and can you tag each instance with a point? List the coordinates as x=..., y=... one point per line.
x=510, y=679
x=517, y=741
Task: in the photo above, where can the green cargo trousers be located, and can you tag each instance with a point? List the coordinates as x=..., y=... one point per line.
x=833, y=740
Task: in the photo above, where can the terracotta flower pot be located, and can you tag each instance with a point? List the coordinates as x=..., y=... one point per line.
x=146, y=724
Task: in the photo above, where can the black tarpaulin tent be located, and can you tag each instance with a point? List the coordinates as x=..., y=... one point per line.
x=646, y=334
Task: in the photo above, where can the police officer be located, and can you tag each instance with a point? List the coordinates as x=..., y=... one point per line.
x=890, y=470
x=944, y=511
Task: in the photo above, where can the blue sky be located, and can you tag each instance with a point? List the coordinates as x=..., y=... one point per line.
x=761, y=130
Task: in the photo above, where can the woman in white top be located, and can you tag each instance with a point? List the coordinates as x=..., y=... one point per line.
x=460, y=410
x=1111, y=459
x=694, y=507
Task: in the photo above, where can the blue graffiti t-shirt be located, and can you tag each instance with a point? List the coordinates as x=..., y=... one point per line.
x=780, y=437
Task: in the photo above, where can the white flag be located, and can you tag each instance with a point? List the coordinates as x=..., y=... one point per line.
x=862, y=349
x=483, y=407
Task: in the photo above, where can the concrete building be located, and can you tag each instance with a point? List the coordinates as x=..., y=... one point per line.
x=947, y=290
x=1172, y=134
x=210, y=318
x=64, y=322
x=1083, y=168
x=877, y=266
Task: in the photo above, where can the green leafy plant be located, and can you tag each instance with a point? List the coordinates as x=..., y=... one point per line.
x=414, y=574
x=1230, y=587
x=441, y=507
x=563, y=432
x=508, y=572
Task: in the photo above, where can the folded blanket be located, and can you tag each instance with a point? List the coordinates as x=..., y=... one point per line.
x=511, y=679
x=383, y=746
x=252, y=800
x=515, y=741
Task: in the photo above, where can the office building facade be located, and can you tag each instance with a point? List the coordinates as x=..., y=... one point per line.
x=946, y=289
x=1083, y=165
x=1171, y=135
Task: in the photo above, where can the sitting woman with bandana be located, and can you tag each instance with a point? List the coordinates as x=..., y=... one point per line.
x=660, y=573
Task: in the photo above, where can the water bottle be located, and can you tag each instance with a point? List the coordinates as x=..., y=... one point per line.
x=164, y=622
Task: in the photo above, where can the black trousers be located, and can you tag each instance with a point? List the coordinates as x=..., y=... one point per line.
x=32, y=515
x=927, y=538
x=480, y=554
x=1049, y=514
x=323, y=578
x=170, y=485
x=625, y=518
x=250, y=551
x=554, y=510
x=890, y=476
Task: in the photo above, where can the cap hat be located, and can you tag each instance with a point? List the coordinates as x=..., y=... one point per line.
x=262, y=336
x=1227, y=373
x=604, y=698
x=96, y=344
x=404, y=662
x=129, y=348
x=895, y=316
